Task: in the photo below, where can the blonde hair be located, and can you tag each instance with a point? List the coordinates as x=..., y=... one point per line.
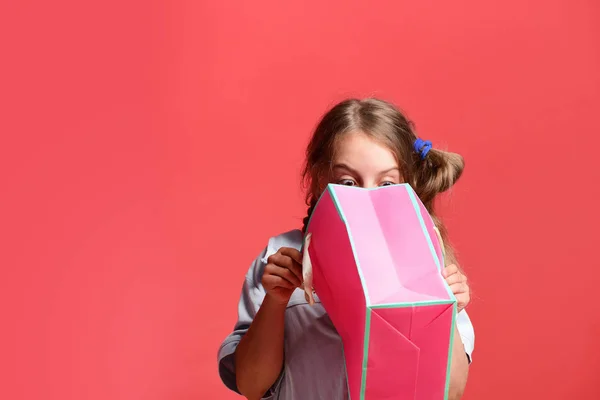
x=429, y=176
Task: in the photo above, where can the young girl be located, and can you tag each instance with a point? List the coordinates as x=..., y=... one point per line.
x=283, y=348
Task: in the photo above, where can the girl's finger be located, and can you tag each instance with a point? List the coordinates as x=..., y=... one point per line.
x=459, y=288
x=292, y=253
x=454, y=278
x=296, y=270
x=286, y=261
x=284, y=273
x=296, y=257
x=277, y=281
x=449, y=270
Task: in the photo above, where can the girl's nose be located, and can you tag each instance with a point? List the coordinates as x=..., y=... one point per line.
x=369, y=185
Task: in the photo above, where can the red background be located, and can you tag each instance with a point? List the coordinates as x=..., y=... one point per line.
x=150, y=149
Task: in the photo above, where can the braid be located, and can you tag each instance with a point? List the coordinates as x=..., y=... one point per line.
x=311, y=208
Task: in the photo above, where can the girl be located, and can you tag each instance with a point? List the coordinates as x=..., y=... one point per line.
x=283, y=348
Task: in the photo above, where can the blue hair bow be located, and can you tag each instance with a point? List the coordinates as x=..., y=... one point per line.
x=422, y=147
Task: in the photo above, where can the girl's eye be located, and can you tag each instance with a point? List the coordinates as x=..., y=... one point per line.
x=386, y=183
x=347, y=182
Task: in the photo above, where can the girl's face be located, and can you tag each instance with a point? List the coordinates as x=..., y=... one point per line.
x=361, y=161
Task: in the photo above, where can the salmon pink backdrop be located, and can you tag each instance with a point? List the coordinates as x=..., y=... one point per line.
x=149, y=149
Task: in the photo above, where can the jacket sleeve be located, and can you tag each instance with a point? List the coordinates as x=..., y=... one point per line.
x=251, y=298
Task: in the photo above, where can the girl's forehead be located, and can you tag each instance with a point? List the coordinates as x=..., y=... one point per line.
x=357, y=148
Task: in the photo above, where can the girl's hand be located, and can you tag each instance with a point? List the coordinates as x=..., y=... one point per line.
x=283, y=274
x=458, y=284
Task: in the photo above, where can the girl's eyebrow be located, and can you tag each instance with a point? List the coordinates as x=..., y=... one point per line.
x=345, y=167
x=387, y=171
x=352, y=171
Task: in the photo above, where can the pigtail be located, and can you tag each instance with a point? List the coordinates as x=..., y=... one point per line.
x=437, y=172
